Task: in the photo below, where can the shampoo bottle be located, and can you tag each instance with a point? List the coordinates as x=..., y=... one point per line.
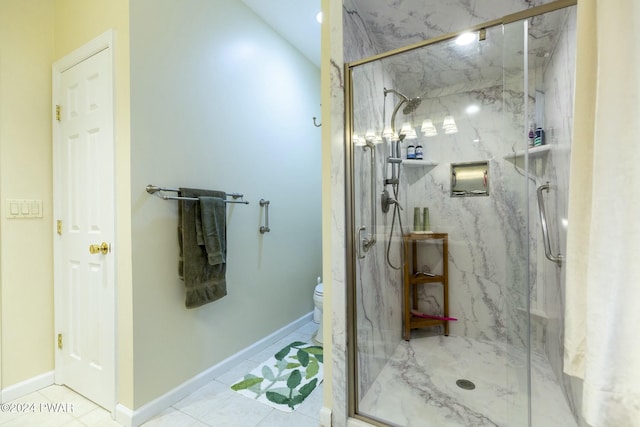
x=418, y=152
x=532, y=135
x=411, y=151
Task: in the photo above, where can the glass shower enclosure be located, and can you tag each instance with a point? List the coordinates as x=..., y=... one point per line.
x=442, y=179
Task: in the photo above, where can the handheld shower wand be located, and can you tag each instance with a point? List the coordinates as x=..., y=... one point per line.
x=410, y=105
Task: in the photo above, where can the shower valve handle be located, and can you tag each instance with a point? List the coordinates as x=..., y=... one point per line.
x=386, y=200
x=364, y=243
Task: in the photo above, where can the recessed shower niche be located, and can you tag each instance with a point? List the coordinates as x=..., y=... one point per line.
x=470, y=179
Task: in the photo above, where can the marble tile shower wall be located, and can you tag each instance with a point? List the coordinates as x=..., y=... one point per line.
x=487, y=235
x=357, y=38
x=337, y=224
x=487, y=262
x=395, y=24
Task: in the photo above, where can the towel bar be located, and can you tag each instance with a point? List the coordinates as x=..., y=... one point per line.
x=155, y=190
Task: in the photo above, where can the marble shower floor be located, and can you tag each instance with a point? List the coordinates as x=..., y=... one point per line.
x=417, y=387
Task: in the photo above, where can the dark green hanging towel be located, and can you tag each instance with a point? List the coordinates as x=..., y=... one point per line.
x=202, y=227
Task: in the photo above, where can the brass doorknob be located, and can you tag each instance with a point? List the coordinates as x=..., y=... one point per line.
x=103, y=247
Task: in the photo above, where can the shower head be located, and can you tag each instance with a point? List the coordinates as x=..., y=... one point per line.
x=412, y=104
x=410, y=107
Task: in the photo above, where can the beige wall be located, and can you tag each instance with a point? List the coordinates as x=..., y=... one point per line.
x=76, y=23
x=26, y=34
x=33, y=35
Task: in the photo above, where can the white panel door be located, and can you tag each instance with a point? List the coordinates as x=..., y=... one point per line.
x=85, y=282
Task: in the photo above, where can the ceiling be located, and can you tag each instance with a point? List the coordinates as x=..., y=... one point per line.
x=295, y=21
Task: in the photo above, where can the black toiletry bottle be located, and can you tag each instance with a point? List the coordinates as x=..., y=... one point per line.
x=411, y=152
x=418, y=152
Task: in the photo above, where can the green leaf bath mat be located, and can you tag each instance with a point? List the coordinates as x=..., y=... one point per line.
x=285, y=380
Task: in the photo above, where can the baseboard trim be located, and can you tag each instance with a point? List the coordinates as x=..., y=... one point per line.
x=24, y=388
x=325, y=417
x=131, y=418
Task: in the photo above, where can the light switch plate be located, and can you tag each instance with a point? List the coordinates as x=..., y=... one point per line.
x=23, y=208
x=13, y=208
x=35, y=208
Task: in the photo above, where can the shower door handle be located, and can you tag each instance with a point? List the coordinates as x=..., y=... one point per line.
x=545, y=231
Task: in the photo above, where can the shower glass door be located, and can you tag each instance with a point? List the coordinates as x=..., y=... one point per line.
x=540, y=66
x=468, y=102
x=461, y=101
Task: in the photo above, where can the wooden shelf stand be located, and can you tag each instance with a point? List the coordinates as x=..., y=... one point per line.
x=412, y=278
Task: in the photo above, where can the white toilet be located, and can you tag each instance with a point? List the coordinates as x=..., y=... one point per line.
x=317, y=311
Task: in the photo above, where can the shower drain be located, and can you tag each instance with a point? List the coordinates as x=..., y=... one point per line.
x=465, y=384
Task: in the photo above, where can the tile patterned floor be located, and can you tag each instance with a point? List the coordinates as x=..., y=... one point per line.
x=419, y=383
x=214, y=405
